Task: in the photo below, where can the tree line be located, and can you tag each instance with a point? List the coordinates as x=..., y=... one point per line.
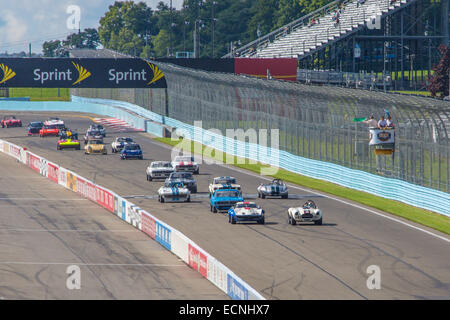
x=139, y=30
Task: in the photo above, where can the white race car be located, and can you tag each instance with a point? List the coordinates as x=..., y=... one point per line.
x=55, y=122
x=118, y=143
x=174, y=192
x=159, y=170
x=223, y=183
x=309, y=212
x=245, y=211
x=276, y=188
x=185, y=163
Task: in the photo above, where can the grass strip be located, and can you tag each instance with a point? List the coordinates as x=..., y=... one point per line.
x=427, y=218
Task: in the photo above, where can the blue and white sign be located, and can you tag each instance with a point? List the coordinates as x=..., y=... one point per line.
x=235, y=289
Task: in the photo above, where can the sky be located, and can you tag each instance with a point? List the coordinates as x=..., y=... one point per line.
x=36, y=21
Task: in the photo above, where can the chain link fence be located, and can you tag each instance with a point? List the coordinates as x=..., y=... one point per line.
x=313, y=121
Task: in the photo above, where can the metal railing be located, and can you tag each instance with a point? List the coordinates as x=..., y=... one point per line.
x=314, y=121
x=288, y=28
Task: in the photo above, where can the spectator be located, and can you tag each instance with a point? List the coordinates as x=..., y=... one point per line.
x=371, y=122
x=360, y=2
x=382, y=123
x=389, y=122
x=333, y=17
x=313, y=22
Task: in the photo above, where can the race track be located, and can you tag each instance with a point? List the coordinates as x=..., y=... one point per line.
x=45, y=228
x=279, y=260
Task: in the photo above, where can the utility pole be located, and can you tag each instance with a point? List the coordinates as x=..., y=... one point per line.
x=213, y=21
x=170, y=33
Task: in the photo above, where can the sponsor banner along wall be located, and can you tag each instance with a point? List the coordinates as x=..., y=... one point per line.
x=168, y=237
x=80, y=73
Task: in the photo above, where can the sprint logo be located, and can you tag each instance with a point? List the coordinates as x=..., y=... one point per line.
x=135, y=75
x=7, y=73
x=82, y=73
x=61, y=75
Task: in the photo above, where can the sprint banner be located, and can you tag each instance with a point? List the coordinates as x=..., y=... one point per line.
x=79, y=73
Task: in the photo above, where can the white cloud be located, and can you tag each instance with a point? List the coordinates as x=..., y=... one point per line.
x=35, y=21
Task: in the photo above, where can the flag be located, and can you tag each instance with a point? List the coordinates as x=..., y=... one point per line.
x=358, y=119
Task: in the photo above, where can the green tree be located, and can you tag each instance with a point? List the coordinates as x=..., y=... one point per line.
x=161, y=43
x=51, y=48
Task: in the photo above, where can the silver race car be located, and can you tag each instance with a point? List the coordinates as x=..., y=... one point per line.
x=174, y=192
x=277, y=188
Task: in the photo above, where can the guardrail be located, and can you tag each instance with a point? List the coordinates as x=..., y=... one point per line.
x=389, y=188
x=170, y=238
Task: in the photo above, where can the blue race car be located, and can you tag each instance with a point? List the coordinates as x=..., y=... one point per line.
x=131, y=151
x=224, y=199
x=246, y=211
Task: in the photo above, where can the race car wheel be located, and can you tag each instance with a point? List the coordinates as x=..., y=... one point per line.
x=210, y=208
x=261, y=221
x=188, y=199
x=318, y=222
x=58, y=148
x=197, y=171
x=263, y=196
x=259, y=195
x=214, y=209
x=285, y=196
x=113, y=150
x=162, y=200
x=233, y=221
x=77, y=148
x=194, y=190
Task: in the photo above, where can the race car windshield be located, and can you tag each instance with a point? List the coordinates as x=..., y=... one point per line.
x=135, y=147
x=94, y=142
x=161, y=165
x=51, y=126
x=227, y=194
x=184, y=159
x=174, y=185
x=248, y=205
x=224, y=181
x=182, y=175
x=36, y=124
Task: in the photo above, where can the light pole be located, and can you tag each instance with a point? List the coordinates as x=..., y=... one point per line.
x=213, y=21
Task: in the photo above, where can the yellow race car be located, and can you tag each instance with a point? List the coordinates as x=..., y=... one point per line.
x=95, y=146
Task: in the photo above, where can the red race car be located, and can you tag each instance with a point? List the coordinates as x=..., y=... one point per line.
x=11, y=121
x=49, y=130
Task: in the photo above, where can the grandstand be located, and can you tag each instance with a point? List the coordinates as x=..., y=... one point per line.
x=395, y=37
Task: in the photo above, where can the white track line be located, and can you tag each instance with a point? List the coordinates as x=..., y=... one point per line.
x=61, y=230
x=249, y=173
x=41, y=199
x=91, y=264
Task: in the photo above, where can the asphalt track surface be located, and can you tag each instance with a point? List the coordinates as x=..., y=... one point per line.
x=279, y=260
x=45, y=228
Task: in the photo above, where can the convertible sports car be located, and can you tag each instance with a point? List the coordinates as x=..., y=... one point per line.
x=246, y=211
x=118, y=144
x=92, y=134
x=223, y=183
x=224, y=199
x=174, y=192
x=49, y=130
x=95, y=146
x=98, y=127
x=11, y=121
x=68, y=142
x=309, y=212
x=131, y=151
x=277, y=188
x=184, y=177
x=185, y=163
x=159, y=170
x=34, y=127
